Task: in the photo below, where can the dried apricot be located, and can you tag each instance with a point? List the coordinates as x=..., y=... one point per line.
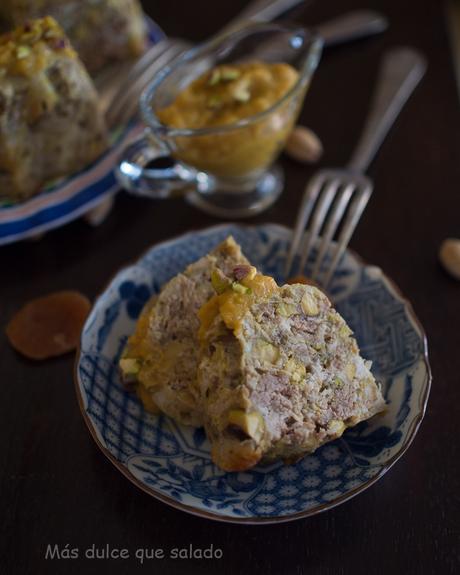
x=49, y=326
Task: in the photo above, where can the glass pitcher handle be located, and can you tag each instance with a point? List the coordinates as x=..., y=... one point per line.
x=146, y=169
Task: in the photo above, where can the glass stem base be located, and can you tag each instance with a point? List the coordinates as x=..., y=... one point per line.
x=218, y=199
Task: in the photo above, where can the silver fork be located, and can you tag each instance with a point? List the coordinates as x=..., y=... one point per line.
x=121, y=96
x=334, y=199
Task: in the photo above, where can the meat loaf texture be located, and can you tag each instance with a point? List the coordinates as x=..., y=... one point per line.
x=100, y=30
x=280, y=373
x=162, y=355
x=50, y=122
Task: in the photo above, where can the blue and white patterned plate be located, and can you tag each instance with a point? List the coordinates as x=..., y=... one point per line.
x=172, y=462
x=69, y=198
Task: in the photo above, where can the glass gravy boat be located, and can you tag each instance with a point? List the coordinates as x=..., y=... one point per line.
x=226, y=170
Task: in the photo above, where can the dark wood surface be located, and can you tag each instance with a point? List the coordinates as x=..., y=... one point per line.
x=57, y=487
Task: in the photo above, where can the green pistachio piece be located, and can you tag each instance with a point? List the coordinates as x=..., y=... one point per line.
x=338, y=382
x=318, y=347
x=243, y=272
x=22, y=52
x=251, y=423
x=215, y=77
x=309, y=304
x=242, y=95
x=286, y=309
x=267, y=352
x=229, y=74
x=130, y=368
x=219, y=281
x=350, y=370
x=50, y=33
x=345, y=331
x=240, y=288
x=336, y=427
x=296, y=370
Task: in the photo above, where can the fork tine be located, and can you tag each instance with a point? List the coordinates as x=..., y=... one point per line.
x=340, y=205
x=356, y=209
x=147, y=58
x=321, y=209
x=126, y=105
x=308, y=201
x=122, y=107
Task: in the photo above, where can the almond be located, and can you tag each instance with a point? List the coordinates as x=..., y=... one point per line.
x=304, y=145
x=449, y=254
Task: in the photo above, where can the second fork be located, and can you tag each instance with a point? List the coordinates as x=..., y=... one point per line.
x=335, y=199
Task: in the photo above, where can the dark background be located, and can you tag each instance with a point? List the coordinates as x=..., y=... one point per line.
x=57, y=487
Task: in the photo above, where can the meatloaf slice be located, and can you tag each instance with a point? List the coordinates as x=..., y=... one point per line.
x=162, y=355
x=100, y=30
x=280, y=373
x=50, y=121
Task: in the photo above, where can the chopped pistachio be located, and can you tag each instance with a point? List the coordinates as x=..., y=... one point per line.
x=338, y=382
x=318, y=346
x=242, y=94
x=229, y=74
x=130, y=365
x=350, y=370
x=296, y=370
x=251, y=423
x=332, y=317
x=22, y=52
x=267, y=352
x=240, y=288
x=286, y=309
x=214, y=79
x=130, y=368
x=345, y=331
x=50, y=33
x=244, y=272
x=219, y=281
x=336, y=426
x=309, y=305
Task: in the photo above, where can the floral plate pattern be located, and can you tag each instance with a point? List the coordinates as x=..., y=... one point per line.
x=172, y=462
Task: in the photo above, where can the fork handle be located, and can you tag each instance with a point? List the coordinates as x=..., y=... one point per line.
x=261, y=11
x=400, y=72
x=352, y=26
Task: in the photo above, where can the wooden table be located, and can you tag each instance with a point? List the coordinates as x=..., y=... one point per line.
x=57, y=487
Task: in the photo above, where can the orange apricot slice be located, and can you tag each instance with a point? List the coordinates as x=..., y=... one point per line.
x=49, y=326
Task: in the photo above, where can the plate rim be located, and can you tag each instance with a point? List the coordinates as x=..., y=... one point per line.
x=197, y=512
